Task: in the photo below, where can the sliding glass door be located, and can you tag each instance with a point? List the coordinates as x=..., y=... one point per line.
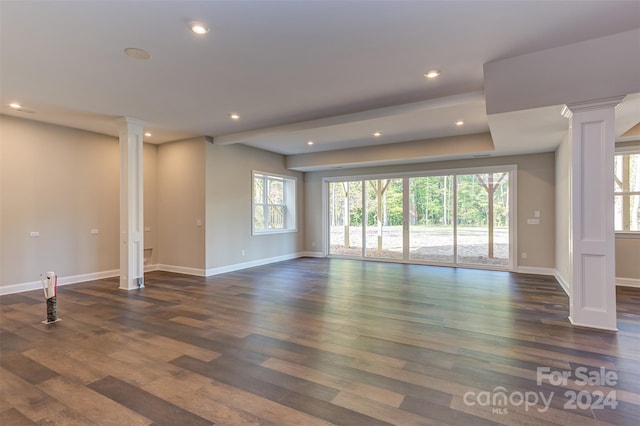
x=431, y=237
x=483, y=219
x=345, y=216
x=384, y=235
x=457, y=217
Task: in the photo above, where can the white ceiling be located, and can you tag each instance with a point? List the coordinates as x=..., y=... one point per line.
x=328, y=71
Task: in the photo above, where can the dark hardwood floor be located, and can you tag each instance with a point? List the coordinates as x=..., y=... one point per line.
x=317, y=341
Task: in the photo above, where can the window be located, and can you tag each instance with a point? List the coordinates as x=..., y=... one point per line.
x=627, y=192
x=274, y=203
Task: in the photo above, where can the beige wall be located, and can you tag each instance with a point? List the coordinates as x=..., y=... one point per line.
x=82, y=193
x=150, y=191
x=535, y=191
x=628, y=258
x=563, y=210
x=181, y=195
x=228, y=198
x=627, y=249
x=62, y=182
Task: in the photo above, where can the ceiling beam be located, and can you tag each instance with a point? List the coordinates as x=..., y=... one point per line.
x=419, y=151
x=438, y=103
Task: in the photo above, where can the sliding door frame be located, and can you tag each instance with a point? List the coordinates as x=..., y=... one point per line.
x=512, y=169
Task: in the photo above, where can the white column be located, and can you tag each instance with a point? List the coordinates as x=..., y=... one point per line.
x=131, y=204
x=593, y=288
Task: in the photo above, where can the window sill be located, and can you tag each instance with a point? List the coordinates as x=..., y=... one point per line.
x=279, y=231
x=628, y=235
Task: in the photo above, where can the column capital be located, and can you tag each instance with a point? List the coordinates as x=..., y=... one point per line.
x=128, y=121
x=595, y=104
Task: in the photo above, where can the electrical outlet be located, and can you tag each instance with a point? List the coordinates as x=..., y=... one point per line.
x=95, y=231
x=34, y=234
x=524, y=254
x=242, y=252
x=313, y=243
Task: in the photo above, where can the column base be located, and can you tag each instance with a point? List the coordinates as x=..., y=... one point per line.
x=134, y=284
x=592, y=327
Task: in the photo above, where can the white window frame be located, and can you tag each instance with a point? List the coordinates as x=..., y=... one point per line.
x=620, y=151
x=289, y=207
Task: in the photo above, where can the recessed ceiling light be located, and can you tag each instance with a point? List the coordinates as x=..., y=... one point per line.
x=199, y=28
x=15, y=105
x=135, y=53
x=432, y=73
x=377, y=134
x=310, y=143
x=147, y=134
x=459, y=123
x=234, y=116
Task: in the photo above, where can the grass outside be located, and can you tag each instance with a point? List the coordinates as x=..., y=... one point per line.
x=426, y=243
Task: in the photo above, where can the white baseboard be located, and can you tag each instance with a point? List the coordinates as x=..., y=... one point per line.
x=563, y=282
x=71, y=279
x=236, y=266
x=251, y=264
x=181, y=270
x=628, y=282
x=311, y=254
x=621, y=282
x=534, y=270
x=151, y=268
x=590, y=326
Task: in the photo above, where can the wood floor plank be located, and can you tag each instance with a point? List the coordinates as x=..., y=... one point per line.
x=97, y=408
x=362, y=404
x=201, y=405
x=310, y=342
x=13, y=417
x=27, y=398
x=173, y=345
x=330, y=412
x=26, y=368
x=347, y=347
x=305, y=373
x=138, y=374
x=302, y=395
x=64, y=365
x=266, y=409
x=438, y=413
x=12, y=342
x=142, y=402
x=373, y=393
x=521, y=415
